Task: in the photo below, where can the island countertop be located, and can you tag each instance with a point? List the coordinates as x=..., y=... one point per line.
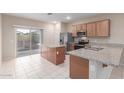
x=52, y=45
x=108, y=55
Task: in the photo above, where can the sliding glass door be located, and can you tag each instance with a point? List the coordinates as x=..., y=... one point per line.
x=23, y=42
x=28, y=41
x=35, y=41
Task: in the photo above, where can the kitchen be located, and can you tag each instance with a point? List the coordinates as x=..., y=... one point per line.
x=61, y=46
x=88, y=55
x=90, y=47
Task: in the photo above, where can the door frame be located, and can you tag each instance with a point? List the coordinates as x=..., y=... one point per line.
x=31, y=39
x=30, y=28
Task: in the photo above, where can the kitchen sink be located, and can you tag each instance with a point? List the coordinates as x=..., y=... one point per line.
x=94, y=48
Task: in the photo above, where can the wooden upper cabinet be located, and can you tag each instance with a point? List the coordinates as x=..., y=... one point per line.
x=74, y=30
x=79, y=27
x=103, y=28
x=91, y=29
x=84, y=27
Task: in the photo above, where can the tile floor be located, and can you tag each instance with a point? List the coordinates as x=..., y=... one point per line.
x=7, y=70
x=34, y=67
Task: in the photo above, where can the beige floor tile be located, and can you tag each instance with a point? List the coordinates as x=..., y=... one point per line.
x=34, y=67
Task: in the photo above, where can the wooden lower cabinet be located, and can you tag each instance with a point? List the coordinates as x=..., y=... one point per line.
x=79, y=68
x=51, y=55
x=60, y=55
x=44, y=53
x=72, y=47
x=54, y=55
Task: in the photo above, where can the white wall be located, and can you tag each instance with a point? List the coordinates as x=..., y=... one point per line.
x=8, y=34
x=57, y=30
x=59, y=27
x=48, y=35
x=0, y=41
x=63, y=27
x=116, y=27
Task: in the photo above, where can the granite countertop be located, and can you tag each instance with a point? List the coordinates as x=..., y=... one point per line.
x=52, y=45
x=107, y=55
x=107, y=44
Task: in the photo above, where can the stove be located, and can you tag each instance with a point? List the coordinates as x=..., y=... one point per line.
x=80, y=45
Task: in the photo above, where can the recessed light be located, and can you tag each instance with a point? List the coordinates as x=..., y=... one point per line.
x=54, y=22
x=49, y=13
x=68, y=17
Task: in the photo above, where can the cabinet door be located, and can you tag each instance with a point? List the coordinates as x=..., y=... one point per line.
x=79, y=68
x=60, y=55
x=74, y=30
x=103, y=28
x=79, y=27
x=52, y=55
x=91, y=29
x=83, y=27
x=44, y=52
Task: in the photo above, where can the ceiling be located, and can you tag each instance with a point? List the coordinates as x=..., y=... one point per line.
x=54, y=17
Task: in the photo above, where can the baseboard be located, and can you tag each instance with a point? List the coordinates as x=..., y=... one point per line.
x=4, y=59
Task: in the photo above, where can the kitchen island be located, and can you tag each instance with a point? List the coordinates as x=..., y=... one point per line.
x=53, y=53
x=95, y=62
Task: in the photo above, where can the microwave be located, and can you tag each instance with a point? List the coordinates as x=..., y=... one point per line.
x=81, y=34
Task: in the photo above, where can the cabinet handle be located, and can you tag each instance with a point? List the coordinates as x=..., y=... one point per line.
x=57, y=53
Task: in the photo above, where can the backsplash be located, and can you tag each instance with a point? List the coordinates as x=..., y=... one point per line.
x=76, y=40
x=99, y=40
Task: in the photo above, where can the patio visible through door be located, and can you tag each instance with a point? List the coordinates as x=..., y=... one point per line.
x=28, y=41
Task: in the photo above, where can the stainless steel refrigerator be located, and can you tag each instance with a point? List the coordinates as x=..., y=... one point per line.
x=66, y=38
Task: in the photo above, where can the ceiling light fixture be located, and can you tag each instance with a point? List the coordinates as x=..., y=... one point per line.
x=68, y=17
x=49, y=13
x=54, y=22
